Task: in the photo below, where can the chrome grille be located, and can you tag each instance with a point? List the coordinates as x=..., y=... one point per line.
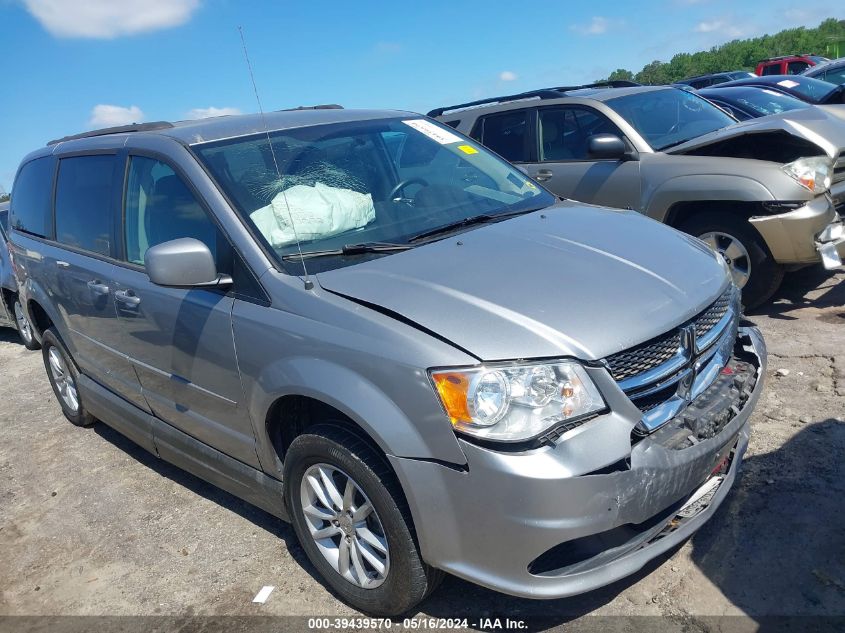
x=654, y=353
x=839, y=168
x=647, y=356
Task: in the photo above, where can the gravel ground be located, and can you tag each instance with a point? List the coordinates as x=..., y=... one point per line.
x=92, y=525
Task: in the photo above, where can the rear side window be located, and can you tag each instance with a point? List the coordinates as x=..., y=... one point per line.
x=160, y=207
x=84, y=202
x=505, y=134
x=836, y=76
x=771, y=69
x=31, y=193
x=794, y=68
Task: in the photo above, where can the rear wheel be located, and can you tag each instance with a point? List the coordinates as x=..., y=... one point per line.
x=25, y=331
x=352, y=520
x=752, y=267
x=63, y=376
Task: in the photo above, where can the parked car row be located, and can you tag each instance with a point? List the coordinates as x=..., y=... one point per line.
x=760, y=193
x=373, y=326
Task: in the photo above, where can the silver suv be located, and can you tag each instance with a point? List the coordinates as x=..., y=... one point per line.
x=760, y=193
x=374, y=328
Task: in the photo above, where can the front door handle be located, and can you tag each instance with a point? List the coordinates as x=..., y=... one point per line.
x=98, y=287
x=127, y=297
x=543, y=175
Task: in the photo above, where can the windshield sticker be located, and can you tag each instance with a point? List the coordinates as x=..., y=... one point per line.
x=433, y=132
x=467, y=149
x=788, y=83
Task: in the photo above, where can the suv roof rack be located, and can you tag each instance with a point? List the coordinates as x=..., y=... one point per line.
x=544, y=93
x=120, y=129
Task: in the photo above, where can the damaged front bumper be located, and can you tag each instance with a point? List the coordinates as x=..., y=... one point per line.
x=545, y=523
x=810, y=234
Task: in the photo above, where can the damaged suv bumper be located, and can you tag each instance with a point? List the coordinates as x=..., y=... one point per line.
x=538, y=524
x=809, y=234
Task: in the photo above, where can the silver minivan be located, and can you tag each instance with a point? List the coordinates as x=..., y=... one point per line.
x=372, y=327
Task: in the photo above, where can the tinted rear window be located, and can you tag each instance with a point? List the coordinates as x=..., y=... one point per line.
x=31, y=193
x=505, y=134
x=83, y=202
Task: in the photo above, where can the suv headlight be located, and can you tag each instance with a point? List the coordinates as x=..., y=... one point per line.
x=813, y=173
x=516, y=402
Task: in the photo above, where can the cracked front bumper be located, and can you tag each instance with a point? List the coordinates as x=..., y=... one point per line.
x=793, y=237
x=489, y=523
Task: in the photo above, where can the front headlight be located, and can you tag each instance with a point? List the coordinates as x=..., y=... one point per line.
x=516, y=402
x=813, y=173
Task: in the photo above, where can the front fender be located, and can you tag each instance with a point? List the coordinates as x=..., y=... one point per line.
x=713, y=187
x=428, y=435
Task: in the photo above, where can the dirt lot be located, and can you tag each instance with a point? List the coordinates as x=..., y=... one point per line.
x=92, y=525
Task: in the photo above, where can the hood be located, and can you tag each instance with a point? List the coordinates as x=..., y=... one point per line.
x=820, y=125
x=571, y=280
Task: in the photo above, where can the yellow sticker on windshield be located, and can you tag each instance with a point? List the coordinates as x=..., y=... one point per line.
x=467, y=149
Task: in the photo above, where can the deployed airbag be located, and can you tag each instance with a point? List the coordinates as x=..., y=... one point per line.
x=317, y=212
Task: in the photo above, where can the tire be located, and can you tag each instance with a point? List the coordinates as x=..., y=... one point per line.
x=764, y=274
x=63, y=376
x=407, y=579
x=25, y=331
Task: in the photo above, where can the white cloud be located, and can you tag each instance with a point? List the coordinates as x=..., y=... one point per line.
x=597, y=26
x=507, y=75
x=204, y=113
x=107, y=19
x=104, y=115
x=722, y=27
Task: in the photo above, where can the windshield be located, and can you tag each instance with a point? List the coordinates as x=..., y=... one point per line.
x=762, y=101
x=815, y=90
x=382, y=181
x=669, y=117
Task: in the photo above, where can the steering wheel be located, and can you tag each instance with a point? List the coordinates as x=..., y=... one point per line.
x=401, y=185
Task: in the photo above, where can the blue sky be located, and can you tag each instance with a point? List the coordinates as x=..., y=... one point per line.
x=70, y=65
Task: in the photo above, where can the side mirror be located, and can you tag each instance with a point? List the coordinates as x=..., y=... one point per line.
x=183, y=263
x=606, y=146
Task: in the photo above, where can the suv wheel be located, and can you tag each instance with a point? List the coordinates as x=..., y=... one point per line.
x=63, y=376
x=25, y=328
x=753, y=269
x=352, y=520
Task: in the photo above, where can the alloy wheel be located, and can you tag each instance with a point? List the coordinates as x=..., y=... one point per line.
x=734, y=252
x=65, y=384
x=344, y=525
x=24, y=327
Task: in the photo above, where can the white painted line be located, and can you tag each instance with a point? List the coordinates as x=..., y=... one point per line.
x=261, y=596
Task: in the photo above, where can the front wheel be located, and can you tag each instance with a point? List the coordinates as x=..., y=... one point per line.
x=25, y=332
x=752, y=267
x=352, y=520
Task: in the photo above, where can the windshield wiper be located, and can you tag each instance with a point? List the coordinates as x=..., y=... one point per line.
x=484, y=218
x=351, y=249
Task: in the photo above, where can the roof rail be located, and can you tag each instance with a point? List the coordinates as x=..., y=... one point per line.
x=544, y=93
x=616, y=83
x=120, y=129
x=532, y=94
x=322, y=106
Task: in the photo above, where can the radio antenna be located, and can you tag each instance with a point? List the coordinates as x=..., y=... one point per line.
x=308, y=283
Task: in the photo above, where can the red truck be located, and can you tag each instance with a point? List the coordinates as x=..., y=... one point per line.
x=788, y=64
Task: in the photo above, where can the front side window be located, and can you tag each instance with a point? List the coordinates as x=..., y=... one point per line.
x=31, y=195
x=505, y=134
x=83, y=202
x=160, y=207
x=381, y=181
x=835, y=76
x=565, y=132
x=669, y=117
x=771, y=69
